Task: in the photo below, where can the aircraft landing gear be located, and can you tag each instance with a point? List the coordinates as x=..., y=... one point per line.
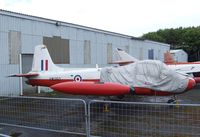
x=173, y=100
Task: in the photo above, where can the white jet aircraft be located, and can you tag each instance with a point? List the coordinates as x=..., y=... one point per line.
x=140, y=78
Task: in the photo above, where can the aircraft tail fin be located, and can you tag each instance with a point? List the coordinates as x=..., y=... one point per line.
x=121, y=55
x=42, y=60
x=123, y=58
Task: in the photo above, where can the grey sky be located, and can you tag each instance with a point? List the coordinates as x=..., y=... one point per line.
x=131, y=17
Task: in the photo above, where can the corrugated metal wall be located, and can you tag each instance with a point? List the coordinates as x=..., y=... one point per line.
x=97, y=44
x=9, y=86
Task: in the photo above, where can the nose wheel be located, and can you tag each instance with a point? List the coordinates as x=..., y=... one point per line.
x=173, y=100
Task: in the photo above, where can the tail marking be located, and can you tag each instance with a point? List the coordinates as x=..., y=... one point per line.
x=44, y=65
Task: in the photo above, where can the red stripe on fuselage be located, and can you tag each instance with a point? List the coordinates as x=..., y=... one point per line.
x=150, y=92
x=50, y=82
x=183, y=63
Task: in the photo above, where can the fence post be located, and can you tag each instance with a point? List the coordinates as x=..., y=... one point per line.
x=88, y=118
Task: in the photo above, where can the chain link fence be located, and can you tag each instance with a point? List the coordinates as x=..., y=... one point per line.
x=133, y=119
x=52, y=114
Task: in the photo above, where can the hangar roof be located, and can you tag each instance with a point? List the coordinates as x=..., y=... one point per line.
x=62, y=23
x=59, y=23
x=177, y=50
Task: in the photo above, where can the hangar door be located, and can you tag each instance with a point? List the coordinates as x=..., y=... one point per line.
x=58, y=49
x=27, y=60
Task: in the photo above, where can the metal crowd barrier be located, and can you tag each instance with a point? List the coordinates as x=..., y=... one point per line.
x=101, y=118
x=136, y=119
x=51, y=114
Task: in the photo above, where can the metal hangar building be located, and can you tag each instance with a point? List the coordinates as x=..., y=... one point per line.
x=70, y=45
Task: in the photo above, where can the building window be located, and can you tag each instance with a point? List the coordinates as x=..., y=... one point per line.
x=58, y=49
x=14, y=41
x=150, y=54
x=109, y=53
x=87, y=52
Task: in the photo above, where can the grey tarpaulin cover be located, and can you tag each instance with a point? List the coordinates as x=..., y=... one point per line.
x=148, y=73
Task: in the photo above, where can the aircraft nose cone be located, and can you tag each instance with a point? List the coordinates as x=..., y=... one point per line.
x=191, y=84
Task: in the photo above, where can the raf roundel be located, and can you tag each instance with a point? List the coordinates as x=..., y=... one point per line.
x=77, y=78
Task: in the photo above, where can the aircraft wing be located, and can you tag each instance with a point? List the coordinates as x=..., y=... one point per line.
x=24, y=75
x=188, y=69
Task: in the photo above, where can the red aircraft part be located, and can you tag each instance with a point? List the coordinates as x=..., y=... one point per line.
x=109, y=89
x=25, y=75
x=191, y=84
x=197, y=79
x=92, y=88
x=150, y=92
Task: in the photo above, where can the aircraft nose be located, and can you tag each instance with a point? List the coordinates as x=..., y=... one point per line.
x=191, y=84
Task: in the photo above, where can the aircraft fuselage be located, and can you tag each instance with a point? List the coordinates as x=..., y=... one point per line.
x=49, y=78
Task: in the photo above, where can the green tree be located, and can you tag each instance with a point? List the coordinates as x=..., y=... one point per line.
x=179, y=38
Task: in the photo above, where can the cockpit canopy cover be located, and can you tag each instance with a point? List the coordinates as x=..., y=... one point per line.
x=148, y=74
